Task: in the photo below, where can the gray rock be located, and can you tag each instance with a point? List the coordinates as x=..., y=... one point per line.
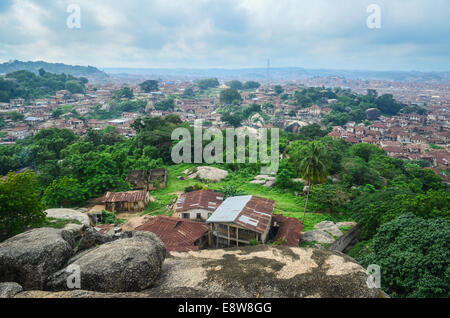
x=68, y=214
x=269, y=184
x=209, y=173
x=319, y=236
x=9, y=290
x=324, y=224
x=129, y=264
x=76, y=230
x=92, y=238
x=346, y=224
x=261, y=182
x=329, y=227
x=262, y=177
x=250, y=272
x=29, y=258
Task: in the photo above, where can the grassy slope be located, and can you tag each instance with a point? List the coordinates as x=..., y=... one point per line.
x=286, y=203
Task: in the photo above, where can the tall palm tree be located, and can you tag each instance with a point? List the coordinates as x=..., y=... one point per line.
x=313, y=167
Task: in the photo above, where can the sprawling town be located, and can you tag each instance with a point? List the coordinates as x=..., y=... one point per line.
x=203, y=151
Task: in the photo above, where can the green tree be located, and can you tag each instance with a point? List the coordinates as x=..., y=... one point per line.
x=278, y=89
x=149, y=86
x=236, y=85
x=330, y=196
x=125, y=92
x=251, y=85
x=75, y=87
x=208, y=83
x=19, y=203
x=413, y=255
x=313, y=166
x=64, y=192
x=230, y=95
x=15, y=116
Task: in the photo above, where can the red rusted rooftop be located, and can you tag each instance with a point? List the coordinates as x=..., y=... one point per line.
x=256, y=214
x=130, y=196
x=177, y=234
x=290, y=230
x=202, y=199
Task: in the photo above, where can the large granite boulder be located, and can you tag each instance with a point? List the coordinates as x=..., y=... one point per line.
x=209, y=173
x=9, y=290
x=29, y=258
x=92, y=237
x=248, y=272
x=68, y=214
x=129, y=264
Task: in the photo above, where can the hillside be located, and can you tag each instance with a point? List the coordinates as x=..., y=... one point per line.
x=56, y=68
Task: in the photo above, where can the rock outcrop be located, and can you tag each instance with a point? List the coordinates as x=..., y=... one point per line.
x=326, y=232
x=249, y=272
x=129, y=264
x=29, y=258
x=68, y=214
x=209, y=173
x=9, y=290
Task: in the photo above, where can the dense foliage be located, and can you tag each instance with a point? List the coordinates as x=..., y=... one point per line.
x=20, y=207
x=413, y=254
x=30, y=86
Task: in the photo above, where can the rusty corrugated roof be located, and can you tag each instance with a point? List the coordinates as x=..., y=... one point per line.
x=251, y=212
x=290, y=230
x=202, y=199
x=177, y=234
x=130, y=196
x=256, y=214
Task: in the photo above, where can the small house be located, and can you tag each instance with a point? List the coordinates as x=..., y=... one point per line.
x=178, y=235
x=148, y=179
x=241, y=220
x=131, y=201
x=198, y=205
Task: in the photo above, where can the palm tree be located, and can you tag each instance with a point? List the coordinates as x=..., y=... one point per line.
x=313, y=167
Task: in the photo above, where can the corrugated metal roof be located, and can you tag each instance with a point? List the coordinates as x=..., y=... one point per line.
x=229, y=209
x=201, y=199
x=251, y=212
x=177, y=234
x=290, y=230
x=130, y=196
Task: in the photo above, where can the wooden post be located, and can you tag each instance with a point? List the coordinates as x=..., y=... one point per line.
x=237, y=237
x=228, y=235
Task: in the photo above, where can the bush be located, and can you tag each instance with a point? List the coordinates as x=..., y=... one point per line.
x=19, y=203
x=413, y=255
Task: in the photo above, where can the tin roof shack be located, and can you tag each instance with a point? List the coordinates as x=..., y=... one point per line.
x=286, y=231
x=241, y=220
x=131, y=201
x=198, y=205
x=147, y=179
x=178, y=235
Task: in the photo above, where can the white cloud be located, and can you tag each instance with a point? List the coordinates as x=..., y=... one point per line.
x=229, y=33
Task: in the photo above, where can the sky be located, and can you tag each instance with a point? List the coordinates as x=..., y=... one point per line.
x=331, y=34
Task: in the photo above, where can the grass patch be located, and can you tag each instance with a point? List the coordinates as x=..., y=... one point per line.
x=58, y=223
x=286, y=204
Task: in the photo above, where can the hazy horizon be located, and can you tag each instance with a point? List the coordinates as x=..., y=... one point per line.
x=229, y=34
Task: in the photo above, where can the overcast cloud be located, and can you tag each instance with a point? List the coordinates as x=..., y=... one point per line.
x=414, y=34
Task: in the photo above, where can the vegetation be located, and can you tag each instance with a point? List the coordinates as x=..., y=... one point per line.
x=313, y=167
x=149, y=86
x=208, y=83
x=20, y=206
x=413, y=256
x=31, y=86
